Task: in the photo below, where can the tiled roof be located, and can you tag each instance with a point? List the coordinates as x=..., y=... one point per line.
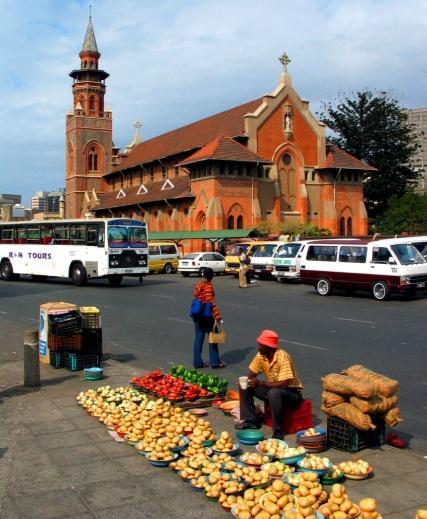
x=190, y=137
x=336, y=158
x=224, y=148
x=89, y=43
x=129, y=196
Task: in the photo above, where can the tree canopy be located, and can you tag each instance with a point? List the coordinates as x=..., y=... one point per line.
x=406, y=214
x=373, y=127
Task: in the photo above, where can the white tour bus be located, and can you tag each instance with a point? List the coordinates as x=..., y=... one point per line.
x=381, y=267
x=76, y=249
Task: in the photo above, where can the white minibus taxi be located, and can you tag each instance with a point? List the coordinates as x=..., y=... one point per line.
x=262, y=257
x=381, y=267
x=284, y=260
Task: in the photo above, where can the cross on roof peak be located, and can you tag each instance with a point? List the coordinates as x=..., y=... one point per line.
x=285, y=60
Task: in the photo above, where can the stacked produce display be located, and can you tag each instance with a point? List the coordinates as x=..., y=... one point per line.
x=260, y=485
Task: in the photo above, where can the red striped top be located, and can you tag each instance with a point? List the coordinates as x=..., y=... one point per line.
x=205, y=292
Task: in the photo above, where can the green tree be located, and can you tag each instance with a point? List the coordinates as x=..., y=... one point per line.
x=407, y=213
x=372, y=126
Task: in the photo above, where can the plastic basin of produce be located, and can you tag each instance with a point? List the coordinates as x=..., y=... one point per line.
x=320, y=472
x=250, y=436
x=161, y=463
x=180, y=448
x=231, y=452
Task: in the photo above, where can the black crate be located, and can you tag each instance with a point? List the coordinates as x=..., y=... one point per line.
x=67, y=342
x=55, y=359
x=76, y=361
x=69, y=323
x=91, y=320
x=345, y=437
x=92, y=341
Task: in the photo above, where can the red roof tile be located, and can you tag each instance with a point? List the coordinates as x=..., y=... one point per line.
x=154, y=193
x=190, y=137
x=336, y=158
x=224, y=148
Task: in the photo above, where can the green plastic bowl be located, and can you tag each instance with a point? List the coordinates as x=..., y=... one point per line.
x=250, y=436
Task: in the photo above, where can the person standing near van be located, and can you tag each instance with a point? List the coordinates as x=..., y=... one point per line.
x=243, y=266
x=203, y=324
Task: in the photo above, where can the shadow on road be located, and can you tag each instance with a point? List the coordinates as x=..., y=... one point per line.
x=119, y=357
x=22, y=390
x=236, y=356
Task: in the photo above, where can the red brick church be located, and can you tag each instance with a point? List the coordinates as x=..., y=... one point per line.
x=264, y=160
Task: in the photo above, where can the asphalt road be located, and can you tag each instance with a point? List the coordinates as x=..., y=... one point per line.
x=148, y=326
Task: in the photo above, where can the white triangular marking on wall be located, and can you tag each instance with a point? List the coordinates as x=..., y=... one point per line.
x=121, y=194
x=167, y=185
x=142, y=190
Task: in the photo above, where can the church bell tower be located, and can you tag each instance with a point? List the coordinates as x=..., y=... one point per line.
x=88, y=129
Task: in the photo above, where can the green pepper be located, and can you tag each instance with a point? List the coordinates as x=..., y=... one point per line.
x=215, y=389
x=194, y=378
x=180, y=369
x=174, y=370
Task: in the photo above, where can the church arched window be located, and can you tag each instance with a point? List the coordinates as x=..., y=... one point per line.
x=92, y=104
x=93, y=159
x=239, y=222
x=230, y=222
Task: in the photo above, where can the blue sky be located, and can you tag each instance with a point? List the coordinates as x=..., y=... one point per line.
x=172, y=62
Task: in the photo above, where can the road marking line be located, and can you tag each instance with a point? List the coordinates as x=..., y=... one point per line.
x=186, y=321
x=354, y=320
x=163, y=297
x=242, y=306
x=305, y=345
x=4, y=313
x=32, y=319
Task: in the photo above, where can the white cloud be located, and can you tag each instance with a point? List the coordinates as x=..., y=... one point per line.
x=174, y=61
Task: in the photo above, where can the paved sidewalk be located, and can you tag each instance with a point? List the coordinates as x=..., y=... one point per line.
x=57, y=462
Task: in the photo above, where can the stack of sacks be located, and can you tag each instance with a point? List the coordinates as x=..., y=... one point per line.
x=358, y=393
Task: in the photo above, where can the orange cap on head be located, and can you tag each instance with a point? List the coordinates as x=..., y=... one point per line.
x=268, y=338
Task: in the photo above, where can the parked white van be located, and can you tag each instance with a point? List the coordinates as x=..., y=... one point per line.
x=284, y=260
x=262, y=257
x=381, y=267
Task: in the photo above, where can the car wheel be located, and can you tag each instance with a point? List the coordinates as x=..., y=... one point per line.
x=380, y=290
x=185, y=274
x=79, y=275
x=115, y=279
x=324, y=287
x=6, y=271
x=201, y=271
x=168, y=268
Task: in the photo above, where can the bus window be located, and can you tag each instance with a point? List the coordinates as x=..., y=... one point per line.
x=101, y=235
x=33, y=234
x=380, y=255
x=46, y=234
x=21, y=235
x=353, y=254
x=117, y=236
x=137, y=236
x=78, y=234
x=7, y=234
x=322, y=253
x=60, y=235
x=92, y=234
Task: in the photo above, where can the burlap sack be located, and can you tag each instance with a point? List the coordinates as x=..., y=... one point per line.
x=329, y=399
x=392, y=416
x=348, y=385
x=385, y=386
x=350, y=414
x=375, y=405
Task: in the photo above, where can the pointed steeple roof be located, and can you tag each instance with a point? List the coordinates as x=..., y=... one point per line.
x=89, y=43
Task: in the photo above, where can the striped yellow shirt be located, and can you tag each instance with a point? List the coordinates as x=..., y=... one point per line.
x=280, y=369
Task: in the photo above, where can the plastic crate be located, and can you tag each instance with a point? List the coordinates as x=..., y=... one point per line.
x=68, y=342
x=294, y=419
x=92, y=340
x=76, y=361
x=91, y=317
x=64, y=324
x=345, y=437
x=55, y=359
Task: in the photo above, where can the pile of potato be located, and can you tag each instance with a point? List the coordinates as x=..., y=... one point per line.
x=276, y=469
x=312, y=490
x=339, y=506
x=273, y=448
x=368, y=509
x=194, y=448
x=334, y=473
x=311, y=432
x=203, y=431
x=355, y=468
x=291, y=452
x=220, y=482
x=264, y=504
x=313, y=462
x=223, y=457
x=254, y=458
x=224, y=443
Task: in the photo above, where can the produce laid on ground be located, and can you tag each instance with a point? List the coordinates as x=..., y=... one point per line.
x=212, y=383
x=169, y=387
x=170, y=436
x=357, y=394
x=358, y=469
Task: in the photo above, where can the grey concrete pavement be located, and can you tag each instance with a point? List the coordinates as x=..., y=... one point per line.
x=58, y=462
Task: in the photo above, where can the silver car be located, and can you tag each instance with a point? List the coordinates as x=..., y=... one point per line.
x=196, y=262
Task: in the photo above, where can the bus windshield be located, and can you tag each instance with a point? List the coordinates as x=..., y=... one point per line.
x=407, y=254
x=121, y=237
x=289, y=250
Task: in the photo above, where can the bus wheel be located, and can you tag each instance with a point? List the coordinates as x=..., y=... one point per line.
x=324, y=287
x=6, y=271
x=168, y=268
x=380, y=290
x=78, y=275
x=115, y=279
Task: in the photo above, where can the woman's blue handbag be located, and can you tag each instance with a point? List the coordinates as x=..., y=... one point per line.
x=199, y=309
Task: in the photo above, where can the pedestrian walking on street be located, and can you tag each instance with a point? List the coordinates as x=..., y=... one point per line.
x=204, y=321
x=282, y=387
x=243, y=267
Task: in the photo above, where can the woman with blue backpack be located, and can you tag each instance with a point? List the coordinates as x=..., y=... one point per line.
x=205, y=314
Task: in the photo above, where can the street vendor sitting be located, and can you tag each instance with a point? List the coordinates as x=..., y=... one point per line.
x=282, y=387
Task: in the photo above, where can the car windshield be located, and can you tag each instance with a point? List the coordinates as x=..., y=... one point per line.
x=190, y=256
x=407, y=254
x=234, y=250
x=263, y=251
x=289, y=250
